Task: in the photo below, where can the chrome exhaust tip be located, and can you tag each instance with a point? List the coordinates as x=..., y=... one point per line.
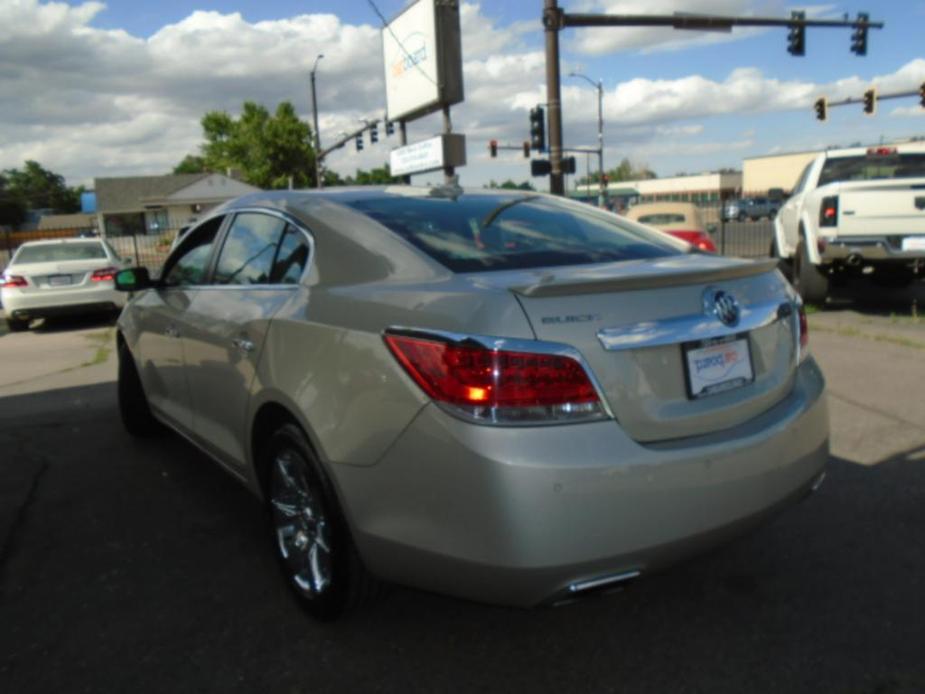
x=602, y=581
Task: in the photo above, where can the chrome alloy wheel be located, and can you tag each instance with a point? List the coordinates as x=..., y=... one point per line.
x=302, y=529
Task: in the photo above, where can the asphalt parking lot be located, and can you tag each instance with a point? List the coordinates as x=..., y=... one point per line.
x=128, y=566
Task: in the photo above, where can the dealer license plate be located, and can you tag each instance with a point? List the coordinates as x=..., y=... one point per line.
x=715, y=366
x=914, y=243
x=59, y=280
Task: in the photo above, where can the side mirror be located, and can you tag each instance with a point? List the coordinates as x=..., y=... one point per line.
x=133, y=280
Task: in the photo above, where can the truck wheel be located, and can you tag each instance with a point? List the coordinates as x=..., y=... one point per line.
x=812, y=284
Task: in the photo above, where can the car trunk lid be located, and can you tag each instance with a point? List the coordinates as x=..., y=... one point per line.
x=878, y=208
x=636, y=322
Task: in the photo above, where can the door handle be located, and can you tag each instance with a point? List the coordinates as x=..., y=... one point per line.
x=243, y=344
x=171, y=331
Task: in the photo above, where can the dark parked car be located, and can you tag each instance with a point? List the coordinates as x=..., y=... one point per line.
x=751, y=208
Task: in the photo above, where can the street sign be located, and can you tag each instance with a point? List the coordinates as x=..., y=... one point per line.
x=429, y=155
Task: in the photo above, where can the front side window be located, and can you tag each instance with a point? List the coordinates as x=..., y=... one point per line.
x=474, y=233
x=190, y=263
x=249, y=250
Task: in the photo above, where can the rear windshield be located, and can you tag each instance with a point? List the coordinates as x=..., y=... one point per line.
x=475, y=233
x=657, y=219
x=870, y=167
x=53, y=253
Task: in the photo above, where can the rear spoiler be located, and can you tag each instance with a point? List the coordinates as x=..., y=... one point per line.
x=550, y=285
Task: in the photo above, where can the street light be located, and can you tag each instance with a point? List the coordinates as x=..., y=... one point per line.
x=599, y=85
x=318, y=182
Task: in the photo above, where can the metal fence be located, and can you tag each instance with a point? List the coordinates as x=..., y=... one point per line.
x=148, y=250
x=746, y=239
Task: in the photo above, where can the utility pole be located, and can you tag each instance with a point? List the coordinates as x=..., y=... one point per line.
x=319, y=183
x=599, y=85
x=552, y=23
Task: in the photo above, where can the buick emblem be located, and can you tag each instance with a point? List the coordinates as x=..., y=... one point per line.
x=723, y=305
x=920, y=202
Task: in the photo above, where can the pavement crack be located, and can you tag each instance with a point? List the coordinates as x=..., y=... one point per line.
x=875, y=410
x=8, y=548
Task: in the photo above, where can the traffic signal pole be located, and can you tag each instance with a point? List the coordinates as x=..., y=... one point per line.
x=554, y=20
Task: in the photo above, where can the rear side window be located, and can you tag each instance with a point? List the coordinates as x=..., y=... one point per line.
x=872, y=167
x=291, y=258
x=249, y=250
x=474, y=233
x=55, y=253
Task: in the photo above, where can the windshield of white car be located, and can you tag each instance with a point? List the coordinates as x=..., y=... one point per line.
x=55, y=253
x=872, y=167
x=475, y=233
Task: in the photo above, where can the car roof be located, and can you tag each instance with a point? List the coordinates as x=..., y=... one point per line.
x=685, y=208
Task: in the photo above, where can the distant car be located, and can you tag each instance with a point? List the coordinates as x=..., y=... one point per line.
x=751, y=208
x=680, y=219
x=502, y=396
x=60, y=277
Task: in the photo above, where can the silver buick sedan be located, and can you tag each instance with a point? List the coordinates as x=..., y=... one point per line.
x=500, y=396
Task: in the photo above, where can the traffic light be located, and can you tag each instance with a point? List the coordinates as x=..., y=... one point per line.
x=922, y=94
x=859, y=35
x=540, y=167
x=796, y=38
x=538, y=129
x=389, y=128
x=373, y=134
x=870, y=101
x=493, y=148
x=822, y=108
x=526, y=150
x=359, y=142
x=568, y=165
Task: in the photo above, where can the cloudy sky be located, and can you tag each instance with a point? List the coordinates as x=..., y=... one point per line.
x=102, y=89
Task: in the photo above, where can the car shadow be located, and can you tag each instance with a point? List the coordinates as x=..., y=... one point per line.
x=70, y=323
x=168, y=565
x=865, y=296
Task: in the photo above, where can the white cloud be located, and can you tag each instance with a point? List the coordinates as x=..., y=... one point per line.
x=91, y=102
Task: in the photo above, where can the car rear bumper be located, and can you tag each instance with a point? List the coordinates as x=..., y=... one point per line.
x=869, y=249
x=40, y=304
x=522, y=516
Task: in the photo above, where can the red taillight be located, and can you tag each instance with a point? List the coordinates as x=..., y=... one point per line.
x=498, y=386
x=14, y=281
x=698, y=239
x=828, y=213
x=804, y=334
x=106, y=274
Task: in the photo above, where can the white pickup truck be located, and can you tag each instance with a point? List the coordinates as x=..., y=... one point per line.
x=853, y=211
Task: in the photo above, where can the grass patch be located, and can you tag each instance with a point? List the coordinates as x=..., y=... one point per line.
x=104, y=341
x=855, y=332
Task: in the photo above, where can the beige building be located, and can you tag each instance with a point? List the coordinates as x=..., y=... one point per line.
x=140, y=205
x=696, y=188
x=760, y=174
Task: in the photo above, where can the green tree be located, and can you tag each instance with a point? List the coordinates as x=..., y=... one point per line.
x=12, y=206
x=511, y=185
x=38, y=188
x=192, y=163
x=268, y=149
x=374, y=177
x=624, y=171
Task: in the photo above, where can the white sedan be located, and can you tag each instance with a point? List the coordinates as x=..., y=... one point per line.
x=60, y=277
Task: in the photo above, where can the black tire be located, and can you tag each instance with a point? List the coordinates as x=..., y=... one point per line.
x=309, y=533
x=811, y=284
x=17, y=326
x=133, y=404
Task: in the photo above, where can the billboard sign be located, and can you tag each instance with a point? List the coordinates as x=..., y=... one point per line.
x=422, y=54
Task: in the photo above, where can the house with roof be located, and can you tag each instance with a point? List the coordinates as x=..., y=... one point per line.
x=140, y=205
